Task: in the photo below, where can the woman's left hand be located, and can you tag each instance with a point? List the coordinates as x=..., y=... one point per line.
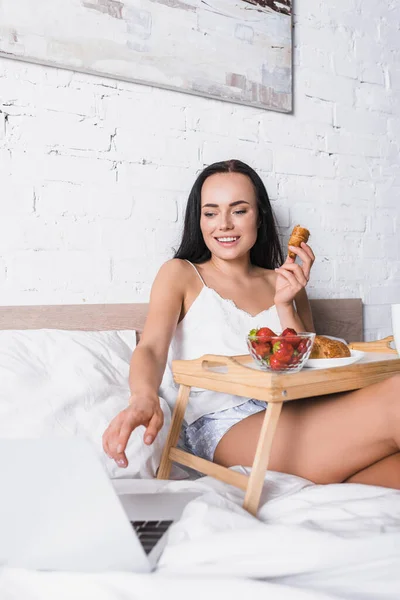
x=292, y=278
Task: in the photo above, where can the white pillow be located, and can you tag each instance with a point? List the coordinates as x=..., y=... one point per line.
x=65, y=383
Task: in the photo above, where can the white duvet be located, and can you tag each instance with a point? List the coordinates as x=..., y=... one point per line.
x=56, y=383
x=336, y=541
x=309, y=541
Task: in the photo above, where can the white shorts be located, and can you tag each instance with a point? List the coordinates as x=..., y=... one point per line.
x=203, y=436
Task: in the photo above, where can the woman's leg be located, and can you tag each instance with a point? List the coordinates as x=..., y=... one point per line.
x=326, y=439
x=385, y=472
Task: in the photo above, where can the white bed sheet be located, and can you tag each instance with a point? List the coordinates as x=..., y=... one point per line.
x=309, y=541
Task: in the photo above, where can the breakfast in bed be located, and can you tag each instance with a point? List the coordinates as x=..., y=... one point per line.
x=290, y=351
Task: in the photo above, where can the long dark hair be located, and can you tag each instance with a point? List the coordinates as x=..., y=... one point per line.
x=266, y=252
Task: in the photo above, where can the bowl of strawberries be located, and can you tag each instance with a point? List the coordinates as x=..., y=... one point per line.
x=284, y=353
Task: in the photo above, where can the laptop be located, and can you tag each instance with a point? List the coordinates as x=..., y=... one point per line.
x=59, y=511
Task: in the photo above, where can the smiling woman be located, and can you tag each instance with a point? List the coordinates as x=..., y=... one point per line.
x=227, y=278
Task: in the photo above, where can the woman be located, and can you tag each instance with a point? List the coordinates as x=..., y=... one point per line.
x=225, y=279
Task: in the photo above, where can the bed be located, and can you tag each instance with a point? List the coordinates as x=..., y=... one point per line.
x=309, y=541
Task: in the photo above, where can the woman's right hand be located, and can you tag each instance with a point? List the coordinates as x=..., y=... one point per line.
x=143, y=409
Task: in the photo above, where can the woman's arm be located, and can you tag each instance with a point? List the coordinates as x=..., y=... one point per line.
x=150, y=356
x=297, y=315
x=290, y=295
x=304, y=310
x=148, y=364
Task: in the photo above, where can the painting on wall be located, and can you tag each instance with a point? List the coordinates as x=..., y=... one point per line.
x=232, y=50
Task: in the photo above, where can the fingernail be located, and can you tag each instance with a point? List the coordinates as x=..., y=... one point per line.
x=148, y=439
x=121, y=462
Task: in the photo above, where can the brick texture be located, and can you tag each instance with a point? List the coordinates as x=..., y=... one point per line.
x=94, y=173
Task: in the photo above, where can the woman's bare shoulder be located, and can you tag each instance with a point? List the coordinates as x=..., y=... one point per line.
x=175, y=267
x=175, y=273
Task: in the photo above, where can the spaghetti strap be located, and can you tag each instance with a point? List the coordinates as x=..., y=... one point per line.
x=200, y=277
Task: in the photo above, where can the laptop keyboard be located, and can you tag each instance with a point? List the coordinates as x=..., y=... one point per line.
x=149, y=532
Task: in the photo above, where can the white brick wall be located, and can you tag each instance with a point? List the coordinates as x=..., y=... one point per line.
x=94, y=173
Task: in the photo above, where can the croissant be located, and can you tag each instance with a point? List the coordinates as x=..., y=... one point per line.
x=299, y=234
x=324, y=347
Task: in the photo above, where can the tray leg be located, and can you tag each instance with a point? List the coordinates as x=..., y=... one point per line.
x=261, y=458
x=178, y=414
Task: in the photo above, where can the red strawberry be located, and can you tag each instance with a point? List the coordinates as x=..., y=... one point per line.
x=283, y=351
x=275, y=363
x=264, y=333
x=263, y=349
x=303, y=346
x=289, y=331
x=292, y=336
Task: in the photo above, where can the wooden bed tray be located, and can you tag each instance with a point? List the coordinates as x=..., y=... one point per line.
x=233, y=375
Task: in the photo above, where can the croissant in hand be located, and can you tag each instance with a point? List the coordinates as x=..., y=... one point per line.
x=299, y=234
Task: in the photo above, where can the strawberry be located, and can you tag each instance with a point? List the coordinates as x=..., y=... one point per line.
x=262, y=348
x=275, y=363
x=264, y=333
x=292, y=336
x=260, y=340
x=283, y=351
x=303, y=346
x=289, y=331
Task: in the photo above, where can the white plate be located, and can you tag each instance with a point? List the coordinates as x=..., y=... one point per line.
x=329, y=363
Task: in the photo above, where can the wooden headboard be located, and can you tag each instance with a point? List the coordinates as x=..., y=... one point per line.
x=338, y=317
x=84, y=317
